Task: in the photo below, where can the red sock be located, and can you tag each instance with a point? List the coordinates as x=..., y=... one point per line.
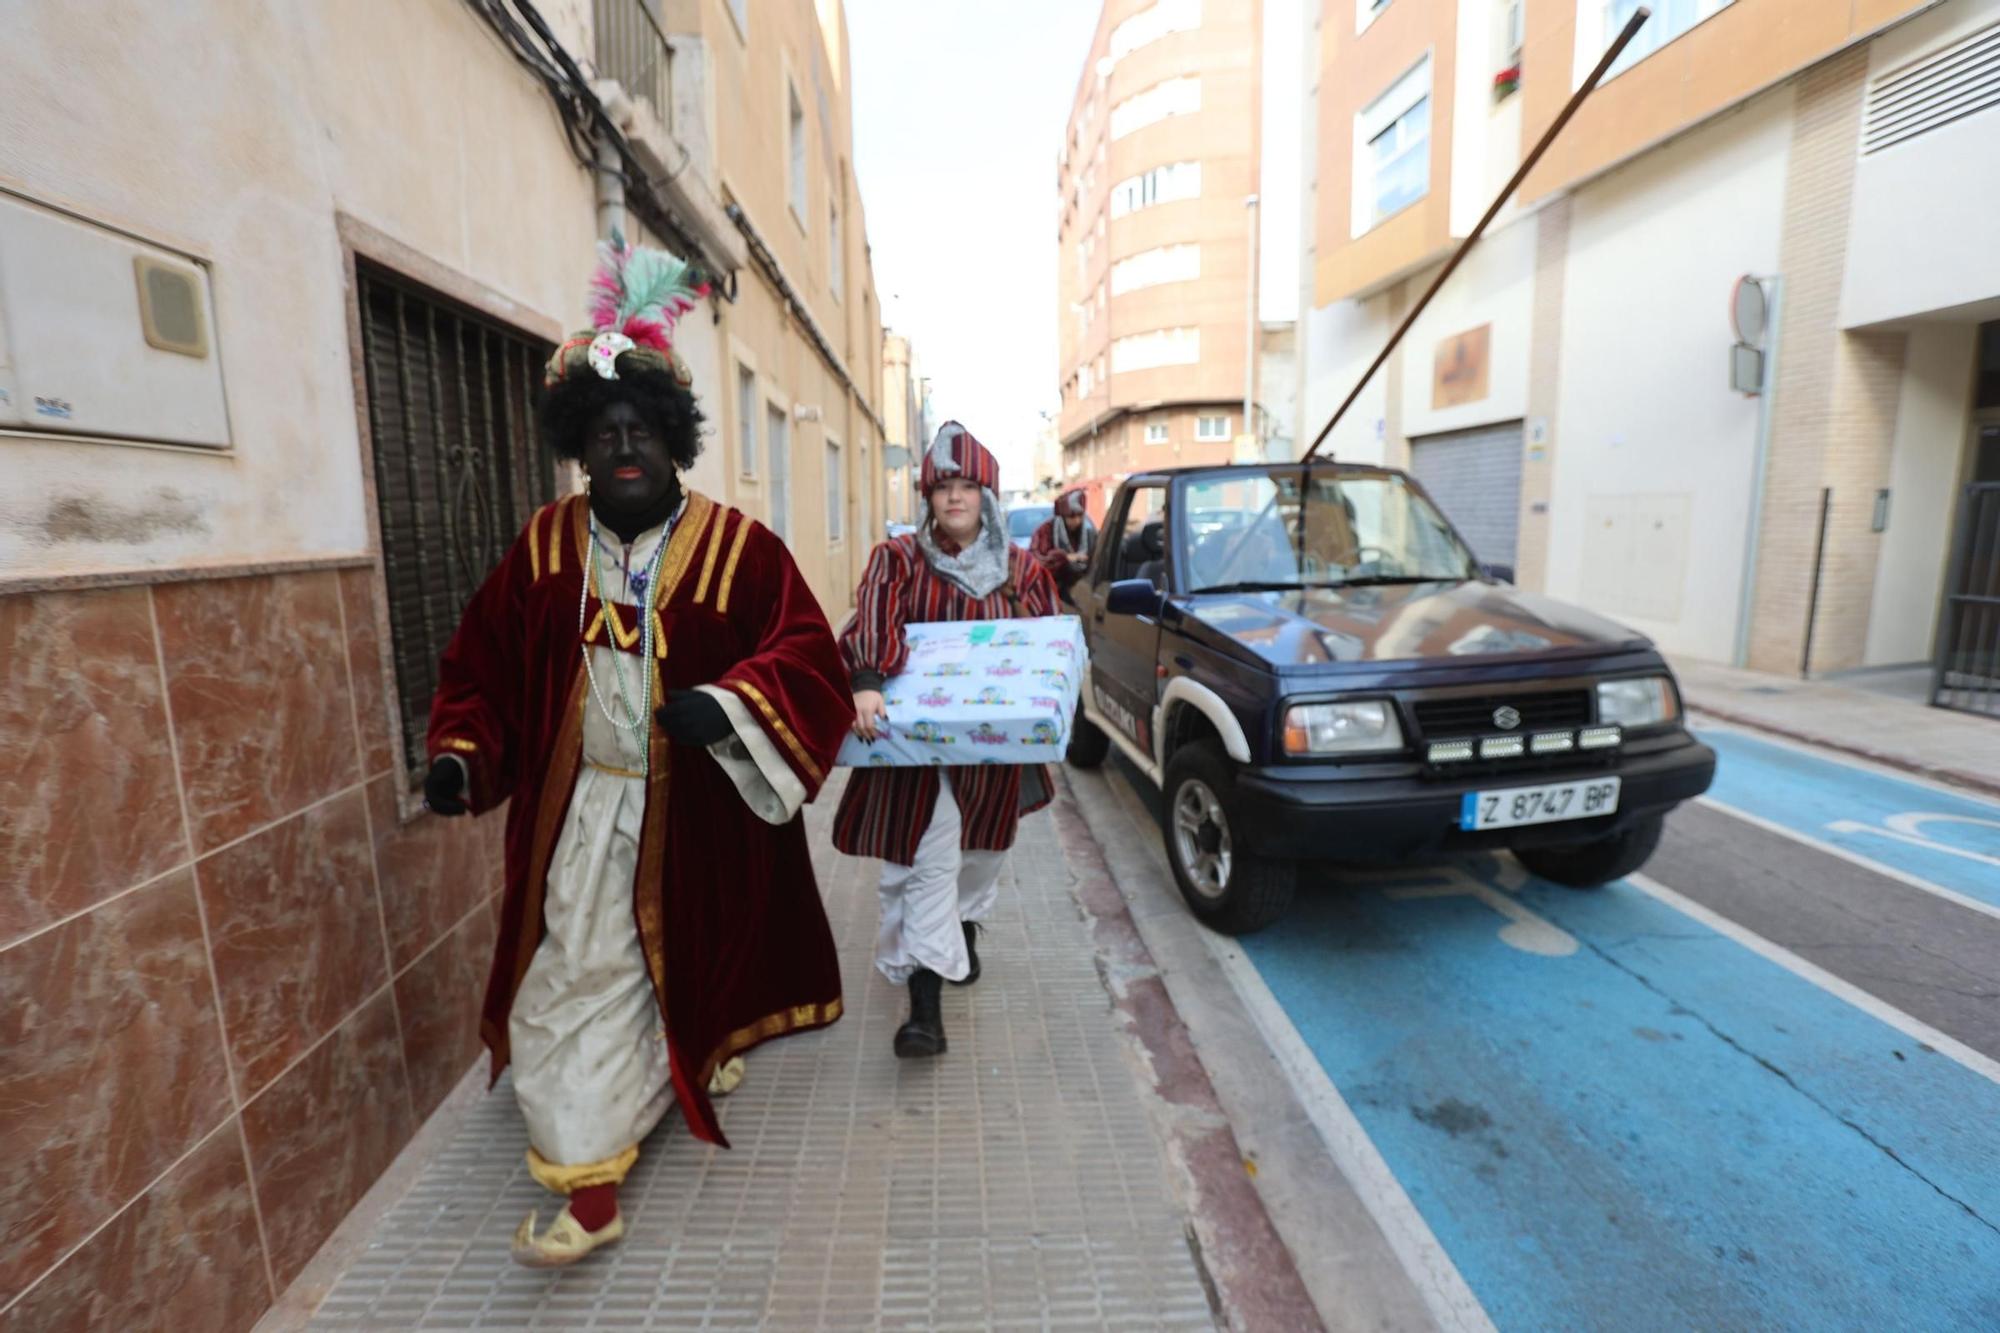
x=594, y=1206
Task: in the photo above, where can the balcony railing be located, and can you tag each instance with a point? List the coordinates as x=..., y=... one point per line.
x=632, y=49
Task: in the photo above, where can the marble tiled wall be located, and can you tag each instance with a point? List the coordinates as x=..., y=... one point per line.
x=233, y=981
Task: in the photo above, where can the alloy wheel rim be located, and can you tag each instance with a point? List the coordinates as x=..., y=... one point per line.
x=1201, y=838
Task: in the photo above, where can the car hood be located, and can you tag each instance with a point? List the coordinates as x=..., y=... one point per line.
x=1401, y=622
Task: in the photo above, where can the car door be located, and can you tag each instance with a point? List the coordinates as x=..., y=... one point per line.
x=1124, y=649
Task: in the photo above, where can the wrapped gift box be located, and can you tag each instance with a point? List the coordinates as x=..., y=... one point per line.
x=980, y=692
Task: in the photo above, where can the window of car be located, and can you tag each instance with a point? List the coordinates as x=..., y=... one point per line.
x=1022, y=522
x=1141, y=549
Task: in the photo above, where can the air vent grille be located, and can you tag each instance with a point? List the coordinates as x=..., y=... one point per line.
x=1947, y=85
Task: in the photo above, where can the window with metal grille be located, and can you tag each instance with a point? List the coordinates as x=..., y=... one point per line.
x=458, y=468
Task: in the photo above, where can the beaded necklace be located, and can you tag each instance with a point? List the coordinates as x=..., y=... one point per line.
x=637, y=722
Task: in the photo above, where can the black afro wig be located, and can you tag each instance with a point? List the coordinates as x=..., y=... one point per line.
x=570, y=407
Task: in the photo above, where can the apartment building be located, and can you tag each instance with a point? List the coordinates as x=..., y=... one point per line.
x=276, y=286
x=1156, y=279
x=1725, y=369
x=907, y=426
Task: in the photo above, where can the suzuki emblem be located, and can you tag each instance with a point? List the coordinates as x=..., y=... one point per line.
x=1506, y=718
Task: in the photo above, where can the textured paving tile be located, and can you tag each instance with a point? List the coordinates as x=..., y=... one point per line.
x=1016, y=1183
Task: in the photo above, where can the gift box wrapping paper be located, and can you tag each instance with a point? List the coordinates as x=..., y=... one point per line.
x=980, y=692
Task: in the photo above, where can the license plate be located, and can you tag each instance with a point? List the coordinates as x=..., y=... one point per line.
x=1538, y=805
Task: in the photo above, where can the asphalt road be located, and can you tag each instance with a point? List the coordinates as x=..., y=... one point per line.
x=1757, y=1085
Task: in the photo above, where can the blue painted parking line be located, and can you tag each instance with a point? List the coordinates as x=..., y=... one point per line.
x=1941, y=837
x=1656, y=1128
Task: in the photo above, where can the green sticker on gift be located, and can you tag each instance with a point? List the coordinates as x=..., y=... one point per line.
x=982, y=633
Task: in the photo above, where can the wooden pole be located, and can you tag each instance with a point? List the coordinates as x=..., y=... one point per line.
x=1589, y=85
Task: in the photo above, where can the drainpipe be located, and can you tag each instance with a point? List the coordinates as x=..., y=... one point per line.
x=1250, y=341
x=1759, y=466
x=610, y=175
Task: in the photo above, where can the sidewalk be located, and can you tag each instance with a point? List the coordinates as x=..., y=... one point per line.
x=1933, y=742
x=1030, y=1178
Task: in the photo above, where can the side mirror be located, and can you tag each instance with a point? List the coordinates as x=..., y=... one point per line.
x=1498, y=573
x=1132, y=597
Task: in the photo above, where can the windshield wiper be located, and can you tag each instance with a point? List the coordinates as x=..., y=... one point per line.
x=1378, y=580
x=1254, y=585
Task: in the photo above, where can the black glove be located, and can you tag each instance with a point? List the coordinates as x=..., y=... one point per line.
x=444, y=787
x=690, y=717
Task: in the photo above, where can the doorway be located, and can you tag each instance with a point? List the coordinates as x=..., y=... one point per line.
x=1966, y=672
x=1475, y=477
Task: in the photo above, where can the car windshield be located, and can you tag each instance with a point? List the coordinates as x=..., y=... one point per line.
x=1290, y=528
x=1023, y=522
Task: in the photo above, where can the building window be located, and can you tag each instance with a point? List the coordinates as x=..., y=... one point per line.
x=1211, y=428
x=1169, y=97
x=1670, y=19
x=1392, y=149
x=836, y=492
x=779, y=480
x=739, y=10
x=1156, y=431
x=865, y=524
x=1150, y=268
x=1084, y=382
x=1149, y=25
x=1367, y=11
x=795, y=142
x=1161, y=347
x=836, y=254
x=1161, y=185
x=458, y=467
x=746, y=421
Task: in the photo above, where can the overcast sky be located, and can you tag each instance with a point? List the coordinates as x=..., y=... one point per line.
x=959, y=108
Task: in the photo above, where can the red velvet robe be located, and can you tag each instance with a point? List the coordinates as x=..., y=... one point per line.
x=727, y=908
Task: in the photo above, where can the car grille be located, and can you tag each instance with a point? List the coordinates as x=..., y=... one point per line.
x=1473, y=716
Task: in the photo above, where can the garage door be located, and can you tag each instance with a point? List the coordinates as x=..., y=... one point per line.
x=1475, y=476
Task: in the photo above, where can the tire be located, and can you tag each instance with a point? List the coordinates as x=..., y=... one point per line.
x=1591, y=865
x=1088, y=745
x=1227, y=885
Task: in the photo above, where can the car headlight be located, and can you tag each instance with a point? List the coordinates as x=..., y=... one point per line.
x=1644, y=701
x=1342, y=728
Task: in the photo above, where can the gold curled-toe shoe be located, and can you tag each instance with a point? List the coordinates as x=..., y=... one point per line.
x=727, y=1078
x=563, y=1243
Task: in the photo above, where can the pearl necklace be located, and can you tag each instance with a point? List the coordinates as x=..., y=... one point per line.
x=637, y=722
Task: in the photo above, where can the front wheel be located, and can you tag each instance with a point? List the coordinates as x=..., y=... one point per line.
x=1591, y=865
x=1087, y=743
x=1229, y=887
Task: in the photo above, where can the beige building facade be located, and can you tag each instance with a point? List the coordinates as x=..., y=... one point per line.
x=906, y=423
x=276, y=283
x=1156, y=279
x=1781, y=487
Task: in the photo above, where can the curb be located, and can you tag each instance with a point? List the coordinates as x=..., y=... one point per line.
x=1957, y=777
x=1252, y=1277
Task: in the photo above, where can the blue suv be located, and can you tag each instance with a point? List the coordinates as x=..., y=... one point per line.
x=1311, y=664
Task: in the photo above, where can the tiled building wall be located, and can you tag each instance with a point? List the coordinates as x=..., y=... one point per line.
x=1833, y=421
x=233, y=981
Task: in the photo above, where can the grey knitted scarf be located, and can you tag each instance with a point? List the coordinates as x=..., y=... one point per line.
x=983, y=565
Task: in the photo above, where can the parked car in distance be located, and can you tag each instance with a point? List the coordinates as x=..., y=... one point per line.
x=1312, y=665
x=891, y=531
x=1022, y=520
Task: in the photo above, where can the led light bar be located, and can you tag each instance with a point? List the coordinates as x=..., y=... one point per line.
x=1450, y=752
x=1502, y=747
x=1553, y=742
x=1599, y=738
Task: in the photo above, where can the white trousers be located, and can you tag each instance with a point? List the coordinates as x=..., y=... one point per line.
x=923, y=903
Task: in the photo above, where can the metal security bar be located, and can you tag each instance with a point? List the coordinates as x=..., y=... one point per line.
x=457, y=467
x=1966, y=676
x=632, y=49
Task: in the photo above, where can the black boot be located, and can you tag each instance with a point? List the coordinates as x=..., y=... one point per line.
x=923, y=1035
x=972, y=929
